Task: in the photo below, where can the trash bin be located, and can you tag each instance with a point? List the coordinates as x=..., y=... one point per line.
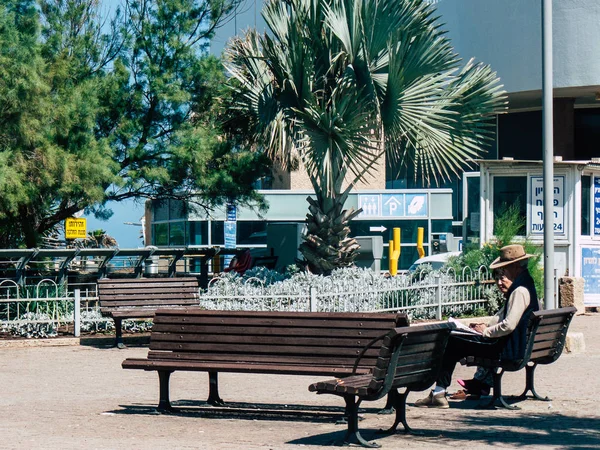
x=151, y=265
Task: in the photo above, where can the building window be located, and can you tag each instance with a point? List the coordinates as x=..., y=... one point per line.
x=197, y=233
x=508, y=192
x=217, y=232
x=161, y=234
x=251, y=233
x=177, y=233
x=586, y=189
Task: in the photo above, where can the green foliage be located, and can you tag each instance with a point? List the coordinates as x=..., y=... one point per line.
x=335, y=85
x=508, y=224
x=93, y=112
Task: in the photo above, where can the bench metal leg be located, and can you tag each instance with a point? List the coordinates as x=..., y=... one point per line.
x=213, y=392
x=498, y=392
x=353, y=435
x=529, y=384
x=389, y=403
x=400, y=407
x=164, y=404
x=119, y=334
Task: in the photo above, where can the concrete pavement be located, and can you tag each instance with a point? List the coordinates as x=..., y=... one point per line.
x=79, y=397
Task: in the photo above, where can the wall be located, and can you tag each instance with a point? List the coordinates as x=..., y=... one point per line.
x=507, y=35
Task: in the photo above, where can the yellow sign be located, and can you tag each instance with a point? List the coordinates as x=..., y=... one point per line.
x=75, y=228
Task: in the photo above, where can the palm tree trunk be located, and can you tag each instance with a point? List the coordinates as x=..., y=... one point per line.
x=326, y=245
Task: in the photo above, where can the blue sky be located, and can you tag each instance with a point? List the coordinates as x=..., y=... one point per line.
x=127, y=236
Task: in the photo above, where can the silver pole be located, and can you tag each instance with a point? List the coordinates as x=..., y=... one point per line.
x=547, y=116
x=77, y=314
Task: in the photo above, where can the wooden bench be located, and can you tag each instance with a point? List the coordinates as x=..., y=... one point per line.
x=410, y=358
x=139, y=298
x=547, y=332
x=292, y=343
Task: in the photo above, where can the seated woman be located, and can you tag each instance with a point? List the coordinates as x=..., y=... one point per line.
x=504, y=336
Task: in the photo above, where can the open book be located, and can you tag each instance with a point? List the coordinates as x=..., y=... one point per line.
x=460, y=327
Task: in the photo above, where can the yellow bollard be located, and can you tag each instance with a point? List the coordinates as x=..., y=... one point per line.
x=394, y=252
x=420, y=249
x=393, y=269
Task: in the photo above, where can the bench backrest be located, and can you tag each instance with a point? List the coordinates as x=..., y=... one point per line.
x=411, y=357
x=294, y=338
x=114, y=294
x=551, y=333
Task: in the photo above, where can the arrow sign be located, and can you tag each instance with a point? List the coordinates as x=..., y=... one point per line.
x=379, y=229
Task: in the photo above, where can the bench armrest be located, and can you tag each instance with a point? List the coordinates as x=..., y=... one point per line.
x=364, y=350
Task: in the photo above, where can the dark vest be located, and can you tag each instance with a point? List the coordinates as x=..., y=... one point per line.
x=514, y=347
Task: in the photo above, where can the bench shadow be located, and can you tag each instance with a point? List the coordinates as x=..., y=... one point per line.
x=553, y=430
x=248, y=411
x=108, y=341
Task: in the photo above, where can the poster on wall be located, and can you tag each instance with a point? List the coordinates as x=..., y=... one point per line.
x=536, y=209
x=590, y=271
x=596, y=193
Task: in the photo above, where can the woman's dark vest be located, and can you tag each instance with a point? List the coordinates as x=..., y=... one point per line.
x=514, y=347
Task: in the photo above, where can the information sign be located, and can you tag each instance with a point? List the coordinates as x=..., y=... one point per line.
x=590, y=270
x=370, y=205
x=416, y=205
x=536, y=210
x=75, y=228
x=230, y=231
x=393, y=205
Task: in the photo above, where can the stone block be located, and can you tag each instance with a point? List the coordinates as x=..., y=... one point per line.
x=571, y=293
x=575, y=343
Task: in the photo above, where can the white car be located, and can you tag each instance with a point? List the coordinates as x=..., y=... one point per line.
x=436, y=261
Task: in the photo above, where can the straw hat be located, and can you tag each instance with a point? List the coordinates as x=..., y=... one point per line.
x=510, y=254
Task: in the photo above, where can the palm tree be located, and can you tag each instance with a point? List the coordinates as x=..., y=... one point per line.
x=337, y=84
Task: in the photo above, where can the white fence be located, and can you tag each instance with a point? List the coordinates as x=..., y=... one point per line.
x=441, y=293
x=437, y=295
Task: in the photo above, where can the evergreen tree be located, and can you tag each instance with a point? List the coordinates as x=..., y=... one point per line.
x=94, y=111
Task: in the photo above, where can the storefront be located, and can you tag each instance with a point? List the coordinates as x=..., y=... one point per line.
x=383, y=210
x=576, y=212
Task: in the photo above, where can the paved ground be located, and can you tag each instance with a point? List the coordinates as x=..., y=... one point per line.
x=78, y=397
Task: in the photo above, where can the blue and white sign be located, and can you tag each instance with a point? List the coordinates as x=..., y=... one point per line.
x=370, y=204
x=231, y=213
x=416, y=205
x=392, y=205
x=596, y=206
x=536, y=210
x=590, y=271
x=230, y=231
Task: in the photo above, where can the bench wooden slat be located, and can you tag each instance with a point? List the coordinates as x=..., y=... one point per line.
x=207, y=330
x=234, y=367
x=368, y=361
x=171, y=302
x=114, y=282
x=261, y=339
x=342, y=323
x=256, y=348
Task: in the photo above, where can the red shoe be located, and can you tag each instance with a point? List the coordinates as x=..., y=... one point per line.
x=474, y=387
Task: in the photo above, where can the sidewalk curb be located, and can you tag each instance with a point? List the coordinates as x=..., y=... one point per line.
x=26, y=343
